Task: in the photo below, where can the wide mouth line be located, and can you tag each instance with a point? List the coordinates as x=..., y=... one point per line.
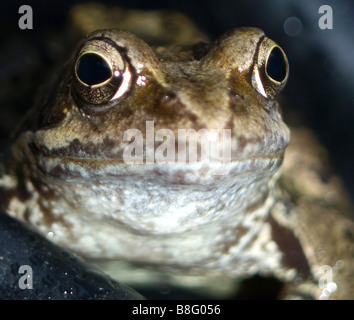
x=112, y=161
x=69, y=167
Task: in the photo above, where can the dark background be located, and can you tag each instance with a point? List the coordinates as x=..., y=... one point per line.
x=321, y=85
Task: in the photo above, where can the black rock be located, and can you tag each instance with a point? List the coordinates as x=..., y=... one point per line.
x=31, y=268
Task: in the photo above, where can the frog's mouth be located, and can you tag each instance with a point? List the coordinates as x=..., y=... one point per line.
x=102, y=162
x=145, y=196
x=71, y=168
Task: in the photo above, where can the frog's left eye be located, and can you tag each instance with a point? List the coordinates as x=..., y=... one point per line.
x=271, y=70
x=101, y=73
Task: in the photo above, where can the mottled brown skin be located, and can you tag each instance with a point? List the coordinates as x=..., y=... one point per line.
x=67, y=157
x=319, y=207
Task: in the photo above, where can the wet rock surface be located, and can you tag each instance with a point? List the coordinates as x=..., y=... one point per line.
x=56, y=273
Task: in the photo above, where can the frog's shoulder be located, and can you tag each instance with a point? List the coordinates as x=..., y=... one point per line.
x=314, y=205
x=307, y=173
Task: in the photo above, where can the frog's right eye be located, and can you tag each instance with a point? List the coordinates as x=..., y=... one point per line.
x=101, y=74
x=93, y=69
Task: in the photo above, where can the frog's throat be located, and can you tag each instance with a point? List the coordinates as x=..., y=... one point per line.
x=155, y=199
x=177, y=205
x=149, y=199
x=175, y=226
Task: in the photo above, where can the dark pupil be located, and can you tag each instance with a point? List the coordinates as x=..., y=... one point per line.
x=92, y=69
x=276, y=66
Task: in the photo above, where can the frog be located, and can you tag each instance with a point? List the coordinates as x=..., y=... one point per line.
x=101, y=166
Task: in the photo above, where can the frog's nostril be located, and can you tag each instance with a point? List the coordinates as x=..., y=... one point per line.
x=169, y=97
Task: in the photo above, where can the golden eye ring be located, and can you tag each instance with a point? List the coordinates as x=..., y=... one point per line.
x=271, y=69
x=101, y=74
